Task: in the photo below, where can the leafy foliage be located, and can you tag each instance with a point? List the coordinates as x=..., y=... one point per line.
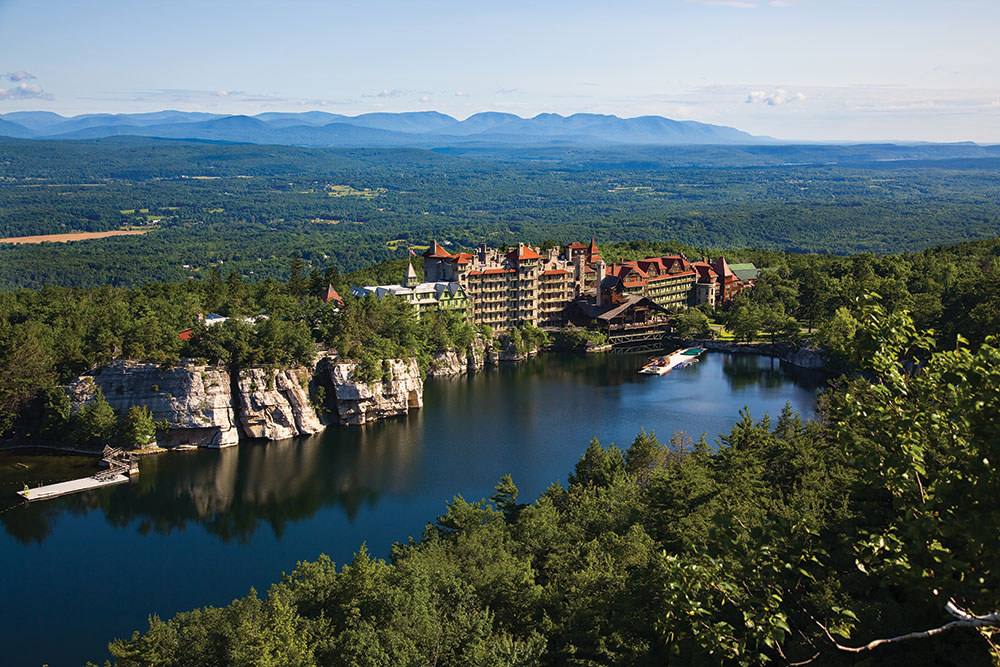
x=760, y=550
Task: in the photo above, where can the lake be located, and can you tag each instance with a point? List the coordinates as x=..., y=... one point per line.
x=200, y=528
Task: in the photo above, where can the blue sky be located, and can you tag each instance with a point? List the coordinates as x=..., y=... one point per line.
x=793, y=69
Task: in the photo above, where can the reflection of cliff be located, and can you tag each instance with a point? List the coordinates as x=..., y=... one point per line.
x=232, y=491
x=748, y=370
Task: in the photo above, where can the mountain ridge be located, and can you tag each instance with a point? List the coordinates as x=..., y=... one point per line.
x=416, y=129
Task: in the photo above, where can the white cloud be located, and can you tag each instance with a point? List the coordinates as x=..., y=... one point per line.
x=21, y=76
x=736, y=4
x=24, y=91
x=506, y=91
x=425, y=99
x=773, y=99
x=228, y=93
x=460, y=94
x=385, y=93
x=782, y=3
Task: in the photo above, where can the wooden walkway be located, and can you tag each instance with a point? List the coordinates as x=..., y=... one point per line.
x=72, y=486
x=121, y=464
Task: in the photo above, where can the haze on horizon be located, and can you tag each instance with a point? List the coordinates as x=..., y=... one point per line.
x=815, y=70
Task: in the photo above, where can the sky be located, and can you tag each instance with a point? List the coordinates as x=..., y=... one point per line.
x=817, y=70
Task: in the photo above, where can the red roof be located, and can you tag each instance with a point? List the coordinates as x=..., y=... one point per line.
x=704, y=270
x=593, y=246
x=187, y=334
x=555, y=272
x=523, y=252
x=463, y=258
x=722, y=268
x=331, y=295
x=437, y=252
x=576, y=245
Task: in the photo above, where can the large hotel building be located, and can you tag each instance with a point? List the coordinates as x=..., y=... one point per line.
x=527, y=285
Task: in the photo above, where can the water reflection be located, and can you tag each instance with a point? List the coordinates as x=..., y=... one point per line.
x=231, y=492
x=749, y=370
x=531, y=420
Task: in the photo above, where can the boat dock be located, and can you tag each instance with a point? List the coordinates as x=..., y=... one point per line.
x=120, y=464
x=663, y=365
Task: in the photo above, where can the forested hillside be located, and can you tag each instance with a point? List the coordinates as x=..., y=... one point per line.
x=252, y=207
x=49, y=336
x=788, y=543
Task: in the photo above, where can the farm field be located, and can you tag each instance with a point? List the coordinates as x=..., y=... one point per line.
x=73, y=236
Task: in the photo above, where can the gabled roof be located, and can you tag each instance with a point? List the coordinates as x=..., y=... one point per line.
x=437, y=252
x=722, y=268
x=705, y=270
x=593, y=247
x=331, y=295
x=523, y=252
x=576, y=245
x=613, y=310
x=745, y=272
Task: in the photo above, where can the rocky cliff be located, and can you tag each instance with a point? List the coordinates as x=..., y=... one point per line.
x=206, y=406
x=357, y=402
x=275, y=404
x=454, y=362
x=195, y=400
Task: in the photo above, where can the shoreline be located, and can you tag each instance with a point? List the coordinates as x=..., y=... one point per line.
x=805, y=358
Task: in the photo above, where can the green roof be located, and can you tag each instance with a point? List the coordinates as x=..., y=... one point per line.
x=745, y=272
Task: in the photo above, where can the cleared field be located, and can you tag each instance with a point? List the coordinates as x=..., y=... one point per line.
x=76, y=236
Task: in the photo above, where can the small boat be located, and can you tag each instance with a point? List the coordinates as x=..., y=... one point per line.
x=656, y=366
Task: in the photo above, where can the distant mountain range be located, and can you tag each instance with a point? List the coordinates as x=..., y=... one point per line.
x=415, y=129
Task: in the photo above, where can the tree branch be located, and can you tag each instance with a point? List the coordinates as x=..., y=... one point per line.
x=963, y=620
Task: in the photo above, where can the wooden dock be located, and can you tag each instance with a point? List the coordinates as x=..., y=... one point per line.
x=72, y=486
x=120, y=464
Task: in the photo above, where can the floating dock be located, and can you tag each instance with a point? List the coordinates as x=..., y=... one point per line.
x=663, y=365
x=72, y=486
x=120, y=464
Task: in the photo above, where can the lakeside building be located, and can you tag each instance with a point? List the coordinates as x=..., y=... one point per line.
x=522, y=286
x=528, y=285
x=423, y=296
x=675, y=283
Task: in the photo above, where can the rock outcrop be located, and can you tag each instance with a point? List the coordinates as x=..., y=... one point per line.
x=449, y=362
x=195, y=400
x=358, y=402
x=807, y=356
x=275, y=404
x=804, y=356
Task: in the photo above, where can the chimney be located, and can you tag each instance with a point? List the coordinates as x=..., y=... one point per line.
x=599, y=265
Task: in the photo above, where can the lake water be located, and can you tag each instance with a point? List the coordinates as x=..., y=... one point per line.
x=200, y=528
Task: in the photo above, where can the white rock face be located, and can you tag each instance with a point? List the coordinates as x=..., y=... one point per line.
x=275, y=405
x=447, y=363
x=358, y=402
x=195, y=400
